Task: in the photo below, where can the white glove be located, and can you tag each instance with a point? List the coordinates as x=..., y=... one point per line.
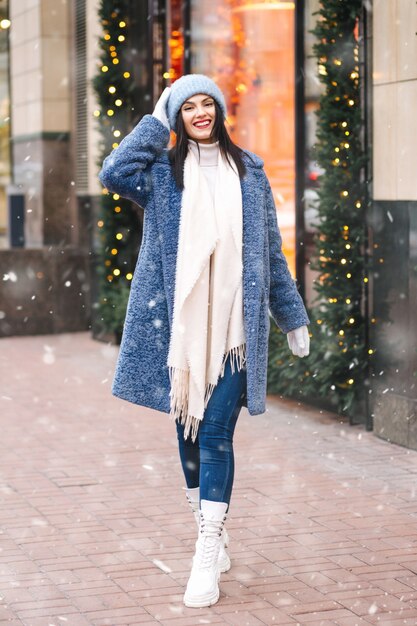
x=160, y=111
x=299, y=341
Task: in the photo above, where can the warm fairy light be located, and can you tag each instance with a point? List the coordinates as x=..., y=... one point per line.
x=119, y=236
x=118, y=102
x=112, y=89
x=122, y=24
x=341, y=333
x=349, y=275
x=115, y=145
x=344, y=193
x=116, y=133
x=358, y=205
x=348, y=300
x=351, y=103
x=104, y=68
x=116, y=196
x=100, y=223
x=107, y=37
x=337, y=62
x=116, y=272
x=241, y=88
x=126, y=74
x=347, y=246
x=129, y=276
x=5, y=24
x=337, y=149
x=365, y=280
x=344, y=124
x=345, y=227
x=96, y=113
x=370, y=351
x=346, y=145
x=116, y=61
x=114, y=251
x=107, y=263
x=110, y=112
x=319, y=322
x=343, y=261
x=121, y=38
x=117, y=209
x=351, y=381
x=351, y=320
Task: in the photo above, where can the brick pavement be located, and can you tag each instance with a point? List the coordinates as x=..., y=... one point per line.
x=95, y=528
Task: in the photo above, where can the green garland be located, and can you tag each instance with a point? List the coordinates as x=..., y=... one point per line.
x=118, y=223
x=339, y=357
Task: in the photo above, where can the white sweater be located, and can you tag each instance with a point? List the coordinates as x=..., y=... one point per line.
x=209, y=153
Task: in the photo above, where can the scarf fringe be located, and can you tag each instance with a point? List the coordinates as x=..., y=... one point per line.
x=179, y=380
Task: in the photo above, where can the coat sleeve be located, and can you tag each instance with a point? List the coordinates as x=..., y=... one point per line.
x=285, y=303
x=126, y=169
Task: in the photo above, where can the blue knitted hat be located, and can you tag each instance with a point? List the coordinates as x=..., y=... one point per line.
x=187, y=86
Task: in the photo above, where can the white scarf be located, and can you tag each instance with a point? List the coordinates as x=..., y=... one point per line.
x=207, y=322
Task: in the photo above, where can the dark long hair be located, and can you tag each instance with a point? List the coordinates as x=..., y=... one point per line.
x=177, y=154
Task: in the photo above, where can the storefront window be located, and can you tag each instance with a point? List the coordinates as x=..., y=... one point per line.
x=4, y=120
x=248, y=49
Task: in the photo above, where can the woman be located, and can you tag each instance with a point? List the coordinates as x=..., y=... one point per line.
x=195, y=340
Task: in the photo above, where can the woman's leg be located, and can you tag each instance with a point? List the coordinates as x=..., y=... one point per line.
x=216, y=436
x=190, y=457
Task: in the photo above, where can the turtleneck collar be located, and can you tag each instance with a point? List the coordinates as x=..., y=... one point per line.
x=209, y=152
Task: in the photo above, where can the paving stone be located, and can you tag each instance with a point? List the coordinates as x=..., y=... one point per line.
x=96, y=530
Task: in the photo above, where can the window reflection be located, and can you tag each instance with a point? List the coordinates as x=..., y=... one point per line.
x=248, y=49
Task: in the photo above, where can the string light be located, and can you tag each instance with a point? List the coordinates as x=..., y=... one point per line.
x=119, y=236
x=129, y=276
x=116, y=272
x=112, y=89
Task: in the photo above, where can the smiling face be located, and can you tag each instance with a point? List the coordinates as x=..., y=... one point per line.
x=198, y=114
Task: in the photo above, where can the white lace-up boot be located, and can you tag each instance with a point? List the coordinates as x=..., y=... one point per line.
x=203, y=584
x=193, y=497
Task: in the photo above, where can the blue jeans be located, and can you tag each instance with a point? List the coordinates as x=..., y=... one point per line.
x=208, y=463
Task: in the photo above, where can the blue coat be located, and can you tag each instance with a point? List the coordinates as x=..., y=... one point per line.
x=139, y=170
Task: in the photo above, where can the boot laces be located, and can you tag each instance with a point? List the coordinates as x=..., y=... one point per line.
x=208, y=542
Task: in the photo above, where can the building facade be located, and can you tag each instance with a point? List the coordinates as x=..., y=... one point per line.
x=260, y=53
